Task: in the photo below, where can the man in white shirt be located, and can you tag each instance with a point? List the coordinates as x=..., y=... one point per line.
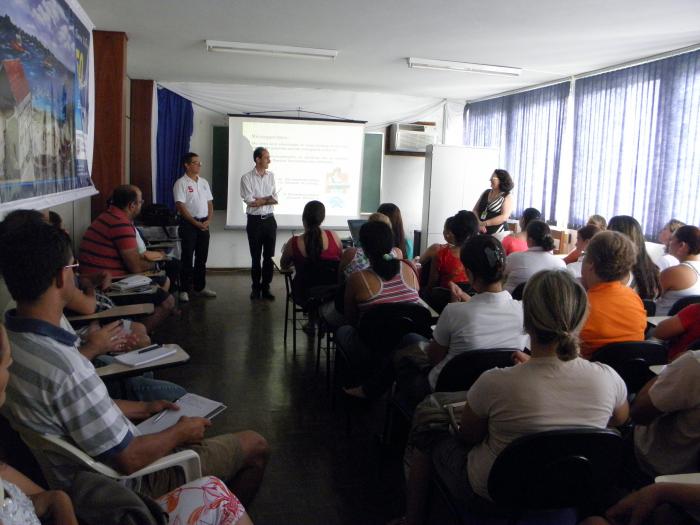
x=194, y=203
x=259, y=192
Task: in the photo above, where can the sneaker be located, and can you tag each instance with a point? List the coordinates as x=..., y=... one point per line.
x=184, y=297
x=205, y=292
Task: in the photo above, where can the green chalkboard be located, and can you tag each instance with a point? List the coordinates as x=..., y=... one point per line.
x=372, y=157
x=219, y=168
x=371, y=170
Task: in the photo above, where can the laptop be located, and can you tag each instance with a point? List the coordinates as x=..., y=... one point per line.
x=354, y=225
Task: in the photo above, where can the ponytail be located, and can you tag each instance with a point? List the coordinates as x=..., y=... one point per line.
x=541, y=235
x=312, y=217
x=377, y=242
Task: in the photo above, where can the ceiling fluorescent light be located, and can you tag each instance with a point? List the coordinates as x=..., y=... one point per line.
x=270, y=50
x=464, y=67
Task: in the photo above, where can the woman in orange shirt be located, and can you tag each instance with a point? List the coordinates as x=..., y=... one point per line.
x=616, y=312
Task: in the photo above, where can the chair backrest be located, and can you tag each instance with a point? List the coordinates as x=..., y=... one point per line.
x=383, y=326
x=559, y=468
x=424, y=273
x=650, y=307
x=311, y=275
x=631, y=359
x=462, y=371
x=517, y=292
x=682, y=303
x=53, y=453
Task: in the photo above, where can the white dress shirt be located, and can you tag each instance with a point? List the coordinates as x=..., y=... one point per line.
x=194, y=194
x=254, y=186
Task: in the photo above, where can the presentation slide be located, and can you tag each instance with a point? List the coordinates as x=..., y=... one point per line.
x=311, y=160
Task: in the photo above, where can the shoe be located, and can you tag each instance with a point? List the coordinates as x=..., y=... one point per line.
x=255, y=294
x=267, y=295
x=205, y=292
x=184, y=297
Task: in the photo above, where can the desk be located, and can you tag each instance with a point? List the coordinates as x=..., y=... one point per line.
x=278, y=266
x=657, y=369
x=116, y=312
x=654, y=321
x=118, y=370
x=137, y=291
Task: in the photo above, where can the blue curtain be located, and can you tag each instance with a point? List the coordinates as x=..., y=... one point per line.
x=175, y=124
x=528, y=129
x=637, y=143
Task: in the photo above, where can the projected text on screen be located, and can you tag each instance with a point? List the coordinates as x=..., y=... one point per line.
x=310, y=160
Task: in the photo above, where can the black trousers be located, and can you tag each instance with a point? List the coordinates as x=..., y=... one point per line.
x=193, y=242
x=262, y=235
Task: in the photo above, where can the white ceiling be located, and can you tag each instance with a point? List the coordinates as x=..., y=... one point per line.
x=549, y=39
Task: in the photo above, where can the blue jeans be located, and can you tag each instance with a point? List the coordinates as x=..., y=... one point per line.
x=139, y=388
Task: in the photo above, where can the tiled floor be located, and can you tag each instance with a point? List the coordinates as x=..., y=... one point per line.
x=317, y=473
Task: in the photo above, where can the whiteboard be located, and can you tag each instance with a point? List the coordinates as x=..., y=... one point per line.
x=455, y=178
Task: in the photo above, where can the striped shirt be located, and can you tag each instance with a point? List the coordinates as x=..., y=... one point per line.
x=53, y=389
x=109, y=234
x=395, y=290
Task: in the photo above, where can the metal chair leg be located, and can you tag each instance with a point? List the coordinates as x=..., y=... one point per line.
x=286, y=318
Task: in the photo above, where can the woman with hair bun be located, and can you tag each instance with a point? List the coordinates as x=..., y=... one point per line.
x=554, y=389
x=447, y=267
x=520, y=266
x=495, y=205
x=489, y=319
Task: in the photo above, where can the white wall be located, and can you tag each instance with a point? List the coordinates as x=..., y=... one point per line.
x=402, y=184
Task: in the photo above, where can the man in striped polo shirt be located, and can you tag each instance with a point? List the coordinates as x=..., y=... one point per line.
x=53, y=388
x=110, y=245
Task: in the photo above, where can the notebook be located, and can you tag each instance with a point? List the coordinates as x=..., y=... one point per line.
x=131, y=282
x=145, y=355
x=191, y=405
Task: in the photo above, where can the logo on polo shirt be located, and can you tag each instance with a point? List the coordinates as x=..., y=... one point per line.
x=190, y=189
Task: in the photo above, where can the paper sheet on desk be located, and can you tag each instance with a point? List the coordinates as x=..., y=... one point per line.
x=191, y=405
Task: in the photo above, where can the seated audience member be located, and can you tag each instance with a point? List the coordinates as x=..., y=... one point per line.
x=683, y=279
x=386, y=281
x=680, y=331
x=209, y=497
x=354, y=258
x=666, y=412
x=668, y=260
x=553, y=389
x=594, y=220
x=489, y=319
x=517, y=242
x=520, y=266
x=109, y=244
x=616, y=311
x=655, y=504
x=645, y=274
x=447, y=267
x=68, y=398
x=307, y=252
x=401, y=242
x=583, y=237
x=431, y=251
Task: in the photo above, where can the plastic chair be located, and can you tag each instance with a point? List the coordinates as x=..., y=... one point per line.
x=462, y=371
x=50, y=451
x=682, y=303
x=383, y=326
x=650, y=307
x=545, y=478
x=632, y=359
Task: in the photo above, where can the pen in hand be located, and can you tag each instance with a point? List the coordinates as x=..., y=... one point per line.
x=148, y=348
x=160, y=416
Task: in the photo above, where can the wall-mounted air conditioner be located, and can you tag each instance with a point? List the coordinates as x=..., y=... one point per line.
x=411, y=138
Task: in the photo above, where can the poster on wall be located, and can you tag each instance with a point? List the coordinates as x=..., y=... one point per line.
x=44, y=93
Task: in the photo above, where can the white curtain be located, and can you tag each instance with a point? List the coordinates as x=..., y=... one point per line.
x=378, y=109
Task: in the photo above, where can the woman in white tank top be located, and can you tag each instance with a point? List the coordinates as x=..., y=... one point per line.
x=684, y=279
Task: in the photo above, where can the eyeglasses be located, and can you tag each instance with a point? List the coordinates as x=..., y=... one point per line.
x=195, y=163
x=75, y=265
